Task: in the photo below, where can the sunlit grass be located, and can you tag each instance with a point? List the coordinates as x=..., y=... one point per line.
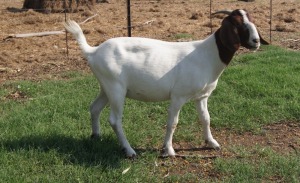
x=45, y=126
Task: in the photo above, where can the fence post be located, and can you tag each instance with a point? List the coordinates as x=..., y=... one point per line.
x=271, y=12
x=210, y=6
x=67, y=45
x=128, y=18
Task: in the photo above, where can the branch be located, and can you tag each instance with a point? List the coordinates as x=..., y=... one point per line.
x=47, y=33
x=196, y=156
x=191, y=156
x=143, y=24
x=88, y=19
x=294, y=40
x=39, y=34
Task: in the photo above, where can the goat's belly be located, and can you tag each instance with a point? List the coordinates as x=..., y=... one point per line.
x=147, y=95
x=149, y=87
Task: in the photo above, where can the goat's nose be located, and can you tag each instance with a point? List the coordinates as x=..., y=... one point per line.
x=255, y=40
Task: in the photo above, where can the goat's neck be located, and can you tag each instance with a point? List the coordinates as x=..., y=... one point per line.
x=225, y=53
x=209, y=49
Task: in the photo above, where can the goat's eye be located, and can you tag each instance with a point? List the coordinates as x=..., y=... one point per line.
x=244, y=29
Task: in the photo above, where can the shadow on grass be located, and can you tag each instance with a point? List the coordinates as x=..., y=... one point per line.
x=180, y=152
x=177, y=150
x=104, y=152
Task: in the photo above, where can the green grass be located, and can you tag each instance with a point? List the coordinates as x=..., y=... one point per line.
x=45, y=136
x=266, y=166
x=263, y=88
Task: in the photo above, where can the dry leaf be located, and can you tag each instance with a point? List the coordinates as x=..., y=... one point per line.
x=126, y=170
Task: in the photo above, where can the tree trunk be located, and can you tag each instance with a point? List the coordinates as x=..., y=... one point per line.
x=56, y=5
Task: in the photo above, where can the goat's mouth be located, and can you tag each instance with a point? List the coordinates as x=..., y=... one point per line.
x=252, y=47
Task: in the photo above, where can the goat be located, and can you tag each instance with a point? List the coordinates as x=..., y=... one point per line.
x=153, y=70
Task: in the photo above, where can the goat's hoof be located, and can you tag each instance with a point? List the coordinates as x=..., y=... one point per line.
x=130, y=153
x=168, y=152
x=217, y=148
x=95, y=136
x=132, y=157
x=213, y=144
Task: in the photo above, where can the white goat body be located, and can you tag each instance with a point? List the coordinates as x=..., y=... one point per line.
x=152, y=70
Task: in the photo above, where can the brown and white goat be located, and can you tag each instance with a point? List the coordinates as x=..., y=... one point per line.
x=153, y=70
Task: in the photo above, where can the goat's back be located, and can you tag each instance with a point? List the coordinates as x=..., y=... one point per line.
x=149, y=70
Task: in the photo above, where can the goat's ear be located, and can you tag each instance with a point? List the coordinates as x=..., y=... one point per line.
x=262, y=41
x=229, y=35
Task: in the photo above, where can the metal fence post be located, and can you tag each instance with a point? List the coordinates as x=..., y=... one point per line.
x=67, y=45
x=210, y=7
x=271, y=14
x=128, y=18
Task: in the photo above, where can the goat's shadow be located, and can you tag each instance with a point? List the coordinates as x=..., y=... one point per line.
x=104, y=152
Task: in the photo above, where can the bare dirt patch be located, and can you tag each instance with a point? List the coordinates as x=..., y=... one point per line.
x=283, y=138
x=38, y=58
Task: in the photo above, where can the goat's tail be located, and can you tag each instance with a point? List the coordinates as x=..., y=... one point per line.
x=72, y=27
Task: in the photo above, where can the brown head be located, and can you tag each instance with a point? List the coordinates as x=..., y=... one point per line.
x=237, y=30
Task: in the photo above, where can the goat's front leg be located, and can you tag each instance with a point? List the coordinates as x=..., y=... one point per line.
x=173, y=114
x=204, y=117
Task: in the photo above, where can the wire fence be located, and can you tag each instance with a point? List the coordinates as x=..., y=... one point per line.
x=161, y=19
x=129, y=7
x=135, y=5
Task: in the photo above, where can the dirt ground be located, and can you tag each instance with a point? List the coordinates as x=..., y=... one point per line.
x=39, y=58
x=45, y=57
x=281, y=137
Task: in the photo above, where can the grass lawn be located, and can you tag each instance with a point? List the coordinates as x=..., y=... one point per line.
x=45, y=128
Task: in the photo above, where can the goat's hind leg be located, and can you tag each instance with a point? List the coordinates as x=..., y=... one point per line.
x=96, y=107
x=116, y=101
